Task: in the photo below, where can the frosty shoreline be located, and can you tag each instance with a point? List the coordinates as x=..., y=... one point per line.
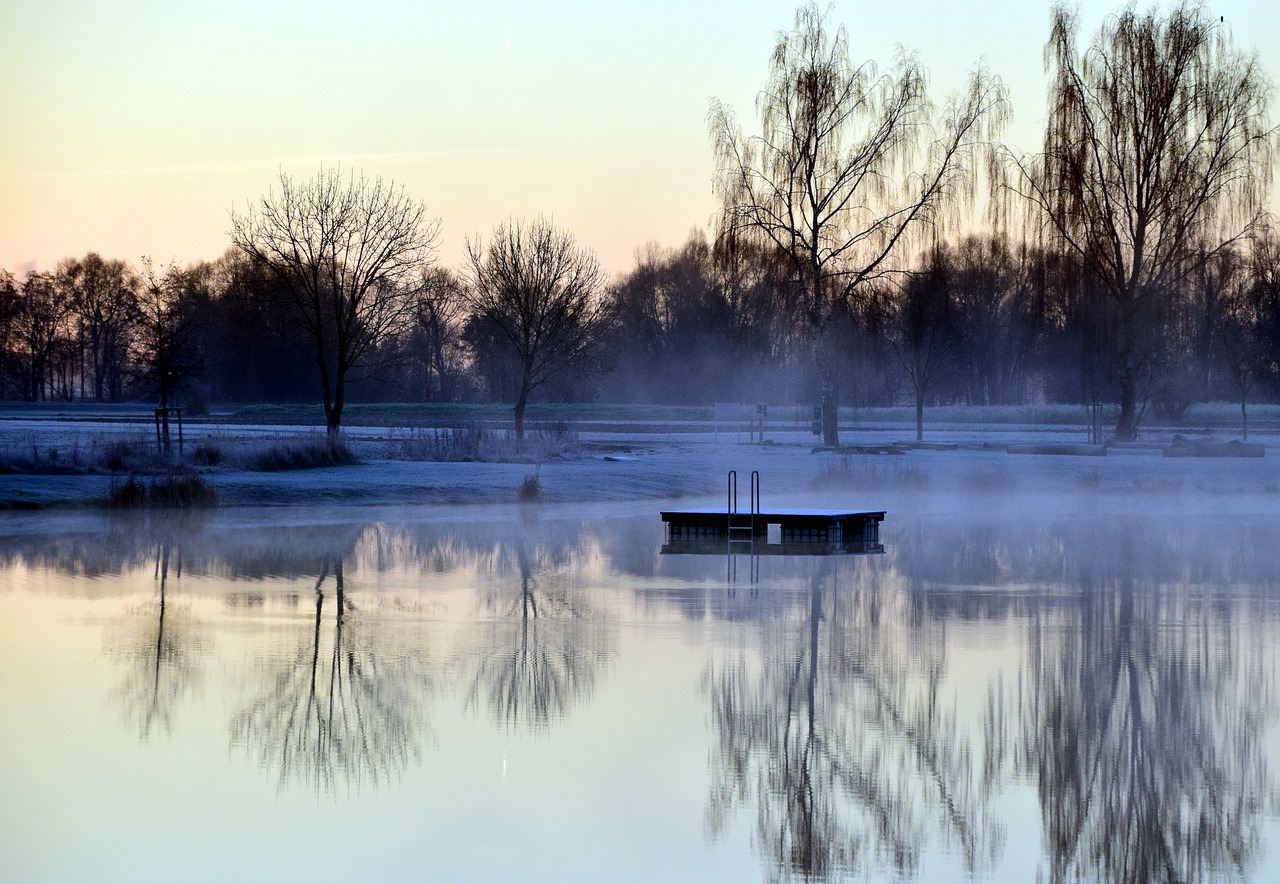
x=622, y=472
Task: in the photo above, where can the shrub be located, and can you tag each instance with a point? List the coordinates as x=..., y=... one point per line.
x=179, y=490
x=130, y=494
x=530, y=489
x=206, y=454
x=120, y=455
x=306, y=455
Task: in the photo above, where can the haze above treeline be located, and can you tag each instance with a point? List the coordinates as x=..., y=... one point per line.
x=874, y=242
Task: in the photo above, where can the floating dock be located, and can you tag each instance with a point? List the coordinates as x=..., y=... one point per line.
x=780, y=532
x=776, y=532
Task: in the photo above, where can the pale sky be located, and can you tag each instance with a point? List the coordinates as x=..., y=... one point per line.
x=134, y=127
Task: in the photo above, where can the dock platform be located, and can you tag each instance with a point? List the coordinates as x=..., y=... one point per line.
x=775, y=532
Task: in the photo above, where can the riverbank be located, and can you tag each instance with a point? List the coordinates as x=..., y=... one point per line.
x=970, y=467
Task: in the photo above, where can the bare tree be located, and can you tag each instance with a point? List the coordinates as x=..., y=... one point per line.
x=1157, y=156
x=10, y=303
x=849, y=164
x=924, y=335
x=1247, y=305
x=41, y=325
x=165, y=347
x=347, y=251
x=438, y=307
x=539, y=293
x=102, y=294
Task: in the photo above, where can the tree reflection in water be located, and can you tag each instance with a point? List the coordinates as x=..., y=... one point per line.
x=840, y=737
x=544, y=651
x=161, y=649
x=339, y=712
x=1143, y=725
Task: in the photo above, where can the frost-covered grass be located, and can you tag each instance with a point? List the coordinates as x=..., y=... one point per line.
x=307, y=453
x=80, y=452
x=409, y=465
x=480, y=444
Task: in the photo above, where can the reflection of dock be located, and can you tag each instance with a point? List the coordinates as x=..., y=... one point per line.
x=778, y=532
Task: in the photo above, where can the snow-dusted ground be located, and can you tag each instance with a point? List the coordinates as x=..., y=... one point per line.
x=620, y=472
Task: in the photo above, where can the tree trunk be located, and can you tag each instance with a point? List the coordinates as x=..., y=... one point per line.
x=1127, y=423
x=830, y=410
x=1244, y=416
x=333, y=409
x=919, y=415
x=521, y=401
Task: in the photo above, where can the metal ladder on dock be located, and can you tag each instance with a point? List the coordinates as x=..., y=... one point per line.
x=741, y=527
x=742, y=523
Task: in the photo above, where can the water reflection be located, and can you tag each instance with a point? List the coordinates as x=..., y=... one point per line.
x=839, y=737
x=544, y=649
x=1143, y=724
x=869, y=717
x=340, y=711
x=161, y=648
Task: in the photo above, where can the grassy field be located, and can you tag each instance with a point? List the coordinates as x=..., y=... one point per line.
x=1212, y=415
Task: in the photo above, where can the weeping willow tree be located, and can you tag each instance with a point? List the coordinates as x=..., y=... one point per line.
x=850, y=163
x=1157, y=158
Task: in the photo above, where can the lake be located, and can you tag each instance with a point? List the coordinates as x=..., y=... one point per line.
x=497, y=694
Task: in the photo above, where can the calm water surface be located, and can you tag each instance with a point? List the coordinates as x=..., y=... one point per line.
x=489, y=695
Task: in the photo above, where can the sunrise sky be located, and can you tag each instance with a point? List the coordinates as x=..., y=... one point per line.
x=135, y=127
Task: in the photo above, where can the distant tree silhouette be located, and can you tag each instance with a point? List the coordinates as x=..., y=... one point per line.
x=169, y=305
x=104, y=298
x=1002, y=314
x=9, y=307
x=924, y=335
x=848, y=164
x=435, y=335
x=258, y=352
x=1245, y=311
x=41, y=329
x=348, y=252
x=1157, y=156
x=676, y=336
x=538, y=295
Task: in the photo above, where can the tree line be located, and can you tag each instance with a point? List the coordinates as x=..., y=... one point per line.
x=1130, y=260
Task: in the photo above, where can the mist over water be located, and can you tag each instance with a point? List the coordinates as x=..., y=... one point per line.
x=538, y=695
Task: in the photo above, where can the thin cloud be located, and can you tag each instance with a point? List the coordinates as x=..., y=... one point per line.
x=277, y=162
